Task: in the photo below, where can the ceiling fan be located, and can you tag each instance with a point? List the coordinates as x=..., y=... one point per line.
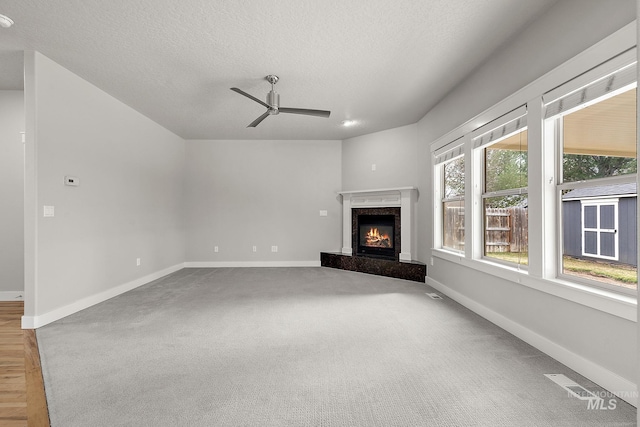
x=273, y=104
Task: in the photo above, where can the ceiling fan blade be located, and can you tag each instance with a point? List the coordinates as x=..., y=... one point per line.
x=305, y=111
x=257, y=121
x=241, y=92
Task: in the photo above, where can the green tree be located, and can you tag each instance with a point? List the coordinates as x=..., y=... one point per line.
x=505, y=169
x=577, y=167
x=454, y=178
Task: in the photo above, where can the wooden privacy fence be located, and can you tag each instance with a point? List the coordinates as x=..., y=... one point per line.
x=506, y=229
x=454, y=227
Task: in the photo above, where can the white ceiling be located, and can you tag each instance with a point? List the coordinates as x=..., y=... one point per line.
x=384, y=63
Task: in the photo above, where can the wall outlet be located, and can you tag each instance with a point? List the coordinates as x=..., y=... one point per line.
x=72, y=181
x=274, y=249
x=431, y=261
x=255, y=249
x=138, y=262
x=373, y=167
x=215, y=249
x=323, y=213
x=49, y=211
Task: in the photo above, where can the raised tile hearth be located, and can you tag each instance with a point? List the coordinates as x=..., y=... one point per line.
x=408, y=270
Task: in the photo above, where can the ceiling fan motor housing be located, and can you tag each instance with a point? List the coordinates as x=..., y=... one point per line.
x=273, y=99
x=273, y=104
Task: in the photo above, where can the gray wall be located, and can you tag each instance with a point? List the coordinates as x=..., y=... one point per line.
x=393, y=151
x=566, y=29
x=263, y=193
x=11, y=194
x=130, y=200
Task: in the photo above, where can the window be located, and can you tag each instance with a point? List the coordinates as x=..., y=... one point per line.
x=453, y=204
x=595, y=133
x=450, y=185
x=504, y=197
x=557, y=157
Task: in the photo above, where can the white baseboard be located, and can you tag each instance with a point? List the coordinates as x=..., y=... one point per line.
x=32, y=322
x=621, y=387
x=11, y=296
x=214, y=264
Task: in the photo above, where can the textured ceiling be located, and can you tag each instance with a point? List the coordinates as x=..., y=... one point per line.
x=382, y=63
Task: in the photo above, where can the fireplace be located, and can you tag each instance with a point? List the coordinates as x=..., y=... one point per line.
x=376, y=232
x=399, y=202
x=378, y=228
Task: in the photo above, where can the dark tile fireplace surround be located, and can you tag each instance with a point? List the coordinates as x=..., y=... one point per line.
x=364, y=259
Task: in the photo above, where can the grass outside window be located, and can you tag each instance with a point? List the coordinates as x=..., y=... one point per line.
x=602, y=271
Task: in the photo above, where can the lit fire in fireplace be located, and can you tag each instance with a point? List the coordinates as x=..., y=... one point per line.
x=376, y=239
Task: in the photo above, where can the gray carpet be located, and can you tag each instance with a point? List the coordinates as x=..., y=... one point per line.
x=298, y=347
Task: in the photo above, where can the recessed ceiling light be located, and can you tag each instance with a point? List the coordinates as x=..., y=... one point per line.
x=5, y=21
x=347, y=123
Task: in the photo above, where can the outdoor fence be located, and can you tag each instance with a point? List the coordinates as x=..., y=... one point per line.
x=506, y=229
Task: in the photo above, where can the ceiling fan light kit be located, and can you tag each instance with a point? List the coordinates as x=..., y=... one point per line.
x=273, y=104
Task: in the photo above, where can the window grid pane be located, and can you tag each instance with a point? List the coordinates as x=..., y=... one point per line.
x=506, y=234
x=453, y=184
x=506, y=213
x=453, y=225
x=599, y=142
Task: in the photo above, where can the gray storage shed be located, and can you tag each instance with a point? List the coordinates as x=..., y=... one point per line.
x=600, y=223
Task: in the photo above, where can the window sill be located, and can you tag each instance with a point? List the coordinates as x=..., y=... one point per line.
x=620, y=305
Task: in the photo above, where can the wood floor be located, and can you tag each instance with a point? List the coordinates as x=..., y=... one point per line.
x=22, y=398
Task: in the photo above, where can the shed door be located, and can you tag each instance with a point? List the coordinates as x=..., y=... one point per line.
x=600, y=229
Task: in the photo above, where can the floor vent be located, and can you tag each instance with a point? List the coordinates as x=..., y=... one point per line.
x=574, y=389
x=433, y=295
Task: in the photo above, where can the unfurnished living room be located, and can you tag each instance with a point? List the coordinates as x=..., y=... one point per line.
x=318, y=213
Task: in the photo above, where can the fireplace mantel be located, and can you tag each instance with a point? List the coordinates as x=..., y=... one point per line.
x=403, y=197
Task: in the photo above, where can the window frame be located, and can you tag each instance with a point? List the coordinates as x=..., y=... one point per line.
x=557, y=134
x=497, y=193
x=443, y=200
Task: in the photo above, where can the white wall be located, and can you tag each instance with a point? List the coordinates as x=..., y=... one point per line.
x=597, y=344
x=263, y=193
x=393, y=151
x=11, y=194
x=129, y=203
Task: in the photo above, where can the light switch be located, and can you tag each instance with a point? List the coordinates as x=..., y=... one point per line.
x=373, y=167
x=49, y=211
x=323, y=213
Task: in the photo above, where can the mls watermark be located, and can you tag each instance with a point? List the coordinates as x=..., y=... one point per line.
x=603, y=400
